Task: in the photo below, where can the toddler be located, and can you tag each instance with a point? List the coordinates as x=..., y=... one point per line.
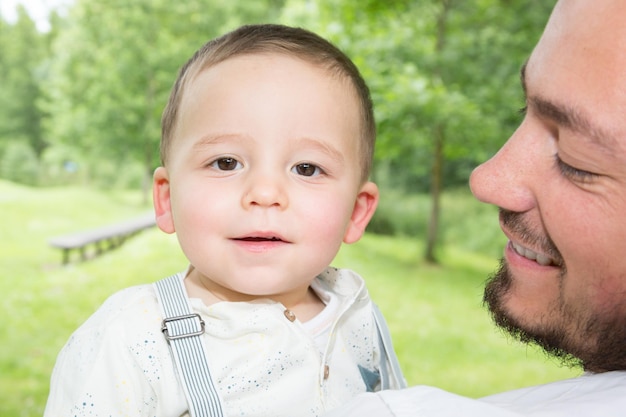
x=266, y=147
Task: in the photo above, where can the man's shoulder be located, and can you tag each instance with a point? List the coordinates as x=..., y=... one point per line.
x=591, y=392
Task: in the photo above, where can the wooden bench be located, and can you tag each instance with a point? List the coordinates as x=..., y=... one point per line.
x=113, y=236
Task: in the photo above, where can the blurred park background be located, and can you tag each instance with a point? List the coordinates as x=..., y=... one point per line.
x=81, y=95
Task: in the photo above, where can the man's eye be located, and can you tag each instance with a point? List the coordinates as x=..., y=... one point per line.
x=307, y=170
x=572, y=173
x=226, y=164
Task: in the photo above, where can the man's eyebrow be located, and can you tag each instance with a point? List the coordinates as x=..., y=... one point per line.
x=522, y=77
x=563, y=115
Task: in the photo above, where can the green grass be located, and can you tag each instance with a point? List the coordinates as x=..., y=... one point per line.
x=442, y=334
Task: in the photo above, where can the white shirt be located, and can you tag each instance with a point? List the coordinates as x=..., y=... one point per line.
x=119, y=364
x=590, y=395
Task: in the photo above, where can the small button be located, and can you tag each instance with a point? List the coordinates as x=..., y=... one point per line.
x=289, y=314
x=326, y=371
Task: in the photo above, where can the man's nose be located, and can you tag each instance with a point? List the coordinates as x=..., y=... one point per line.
x=508, y=178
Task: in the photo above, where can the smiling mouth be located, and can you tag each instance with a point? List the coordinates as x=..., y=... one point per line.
x=541, y=259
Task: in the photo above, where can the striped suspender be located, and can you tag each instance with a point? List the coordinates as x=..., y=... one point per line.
x=183, y=329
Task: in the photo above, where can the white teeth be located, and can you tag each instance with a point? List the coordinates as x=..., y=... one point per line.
x=524, y=252
x=543, y=260
x=527, y=253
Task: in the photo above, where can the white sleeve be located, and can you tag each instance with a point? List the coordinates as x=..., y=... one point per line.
x=96, y=374
x=419, y=401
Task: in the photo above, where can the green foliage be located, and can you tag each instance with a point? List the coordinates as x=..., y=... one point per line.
x=400, y=214
x=470, y=225
x=62, y=165
x=23, y=53
x=466, y=223
x=441, y=333
x=19, y=163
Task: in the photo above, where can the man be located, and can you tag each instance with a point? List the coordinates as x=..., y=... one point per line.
x=560, y=183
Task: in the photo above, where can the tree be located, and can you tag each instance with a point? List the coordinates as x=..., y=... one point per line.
x=23, y=51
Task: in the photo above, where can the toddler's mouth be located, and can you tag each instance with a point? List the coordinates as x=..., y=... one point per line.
x=260, y=239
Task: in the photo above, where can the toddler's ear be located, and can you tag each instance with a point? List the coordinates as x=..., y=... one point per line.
x=364, y=208
x=161, y=200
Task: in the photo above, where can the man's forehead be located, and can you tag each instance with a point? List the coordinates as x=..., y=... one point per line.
x=587, y=25
x=576, y=75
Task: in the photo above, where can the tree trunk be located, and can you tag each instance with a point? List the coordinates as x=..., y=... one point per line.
x=436, y=179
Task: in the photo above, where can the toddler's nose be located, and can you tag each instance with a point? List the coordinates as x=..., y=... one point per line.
x=265, y=190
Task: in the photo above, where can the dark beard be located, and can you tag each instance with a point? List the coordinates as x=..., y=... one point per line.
x=597, y=342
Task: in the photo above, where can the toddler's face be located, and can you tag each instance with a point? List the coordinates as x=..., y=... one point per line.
x=264, y=182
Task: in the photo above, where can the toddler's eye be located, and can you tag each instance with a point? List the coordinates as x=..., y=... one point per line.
x=226, y=164
x=307, y=170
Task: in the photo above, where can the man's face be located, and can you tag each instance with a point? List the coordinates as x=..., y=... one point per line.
x=560, y=182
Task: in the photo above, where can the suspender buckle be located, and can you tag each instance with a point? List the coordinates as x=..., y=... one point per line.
x=179, y=329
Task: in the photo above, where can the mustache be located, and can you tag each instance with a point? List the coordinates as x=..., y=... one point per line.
x=517, y=225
